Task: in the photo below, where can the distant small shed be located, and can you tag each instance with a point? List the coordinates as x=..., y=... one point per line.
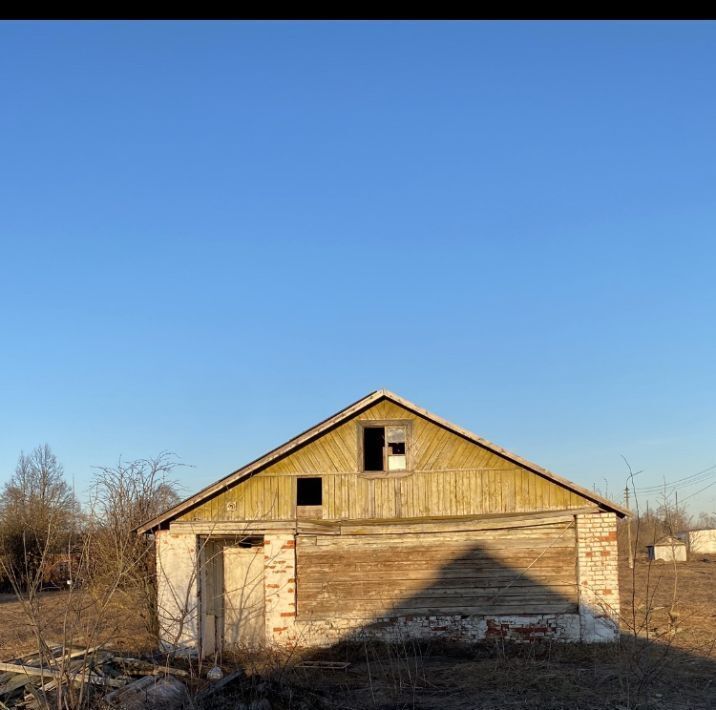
x=700, y=542
x=669, y=549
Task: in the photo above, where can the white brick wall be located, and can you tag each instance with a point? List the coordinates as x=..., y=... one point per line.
x=516, y=627
x=598, y=575
x=280, y=588
x=177, y=589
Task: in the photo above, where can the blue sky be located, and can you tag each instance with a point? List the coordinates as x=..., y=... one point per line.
x=215, y=234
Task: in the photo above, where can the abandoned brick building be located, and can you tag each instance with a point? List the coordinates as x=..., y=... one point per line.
x=385, y=520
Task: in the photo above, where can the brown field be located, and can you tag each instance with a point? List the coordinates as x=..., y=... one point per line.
x=77, y=619
x=670, y=663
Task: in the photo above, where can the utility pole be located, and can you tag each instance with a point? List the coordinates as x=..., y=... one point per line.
x=626, y=503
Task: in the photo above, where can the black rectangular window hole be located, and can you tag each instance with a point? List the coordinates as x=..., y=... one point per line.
x=309, y=491
x=373, y=444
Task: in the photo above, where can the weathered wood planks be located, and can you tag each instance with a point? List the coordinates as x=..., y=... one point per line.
x=524, y=570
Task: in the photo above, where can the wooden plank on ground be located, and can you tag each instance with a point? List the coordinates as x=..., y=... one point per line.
x=85, y=676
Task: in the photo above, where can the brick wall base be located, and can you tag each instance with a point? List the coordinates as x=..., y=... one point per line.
x=468, y=629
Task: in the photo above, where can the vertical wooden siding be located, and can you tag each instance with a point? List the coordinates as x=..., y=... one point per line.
x=450, y=476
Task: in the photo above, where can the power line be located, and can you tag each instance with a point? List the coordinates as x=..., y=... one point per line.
x=691, y=495
x=684, y=482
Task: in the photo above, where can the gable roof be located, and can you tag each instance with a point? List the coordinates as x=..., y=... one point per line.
x=340, y=417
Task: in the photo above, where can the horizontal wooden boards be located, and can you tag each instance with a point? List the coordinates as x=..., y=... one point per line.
x=497, y=524
x=524, y=570
x=370, y=613
x=426, y=574
x=498, y=521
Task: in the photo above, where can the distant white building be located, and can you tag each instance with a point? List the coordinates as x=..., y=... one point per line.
x=669, y=549
x=700, y=542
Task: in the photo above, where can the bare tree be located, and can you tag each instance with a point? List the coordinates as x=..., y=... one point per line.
x=673, y=517
x=38, y=514
x=705, y=521
x=113, y=564
x=123, y=497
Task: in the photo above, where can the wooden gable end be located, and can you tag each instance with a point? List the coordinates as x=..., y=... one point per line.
x=448, y=476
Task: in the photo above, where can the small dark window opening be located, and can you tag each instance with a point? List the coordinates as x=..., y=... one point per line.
x=373, y=443
x=309, y=491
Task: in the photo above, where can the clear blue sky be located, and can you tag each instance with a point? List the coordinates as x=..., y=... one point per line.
x=215, y=234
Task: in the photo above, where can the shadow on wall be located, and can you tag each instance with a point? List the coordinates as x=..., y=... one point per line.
x=515, y=586
x=518, y=584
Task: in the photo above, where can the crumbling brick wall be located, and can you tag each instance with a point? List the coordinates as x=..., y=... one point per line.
x=457, y=627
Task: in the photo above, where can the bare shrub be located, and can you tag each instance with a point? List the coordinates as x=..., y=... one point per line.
x=122, y=498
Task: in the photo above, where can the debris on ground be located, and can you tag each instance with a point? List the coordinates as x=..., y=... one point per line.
x=218, y=686
x=131, y=683
x=324, y=665
x=149, y=692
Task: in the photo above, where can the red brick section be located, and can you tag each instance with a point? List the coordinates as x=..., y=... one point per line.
x=517, y=631
x=280, y=586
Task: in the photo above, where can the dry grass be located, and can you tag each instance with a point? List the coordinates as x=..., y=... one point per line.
x=486, y=676
x=693, y=617
x=62, y=615
x=671, y=668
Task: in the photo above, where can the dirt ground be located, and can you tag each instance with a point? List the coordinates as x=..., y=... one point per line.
x=669, y=663
x=76, y=617
x=681, y=599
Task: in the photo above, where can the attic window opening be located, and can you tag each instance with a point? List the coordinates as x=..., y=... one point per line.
x=373, y=444
x=384, y=448
x=309, y=491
